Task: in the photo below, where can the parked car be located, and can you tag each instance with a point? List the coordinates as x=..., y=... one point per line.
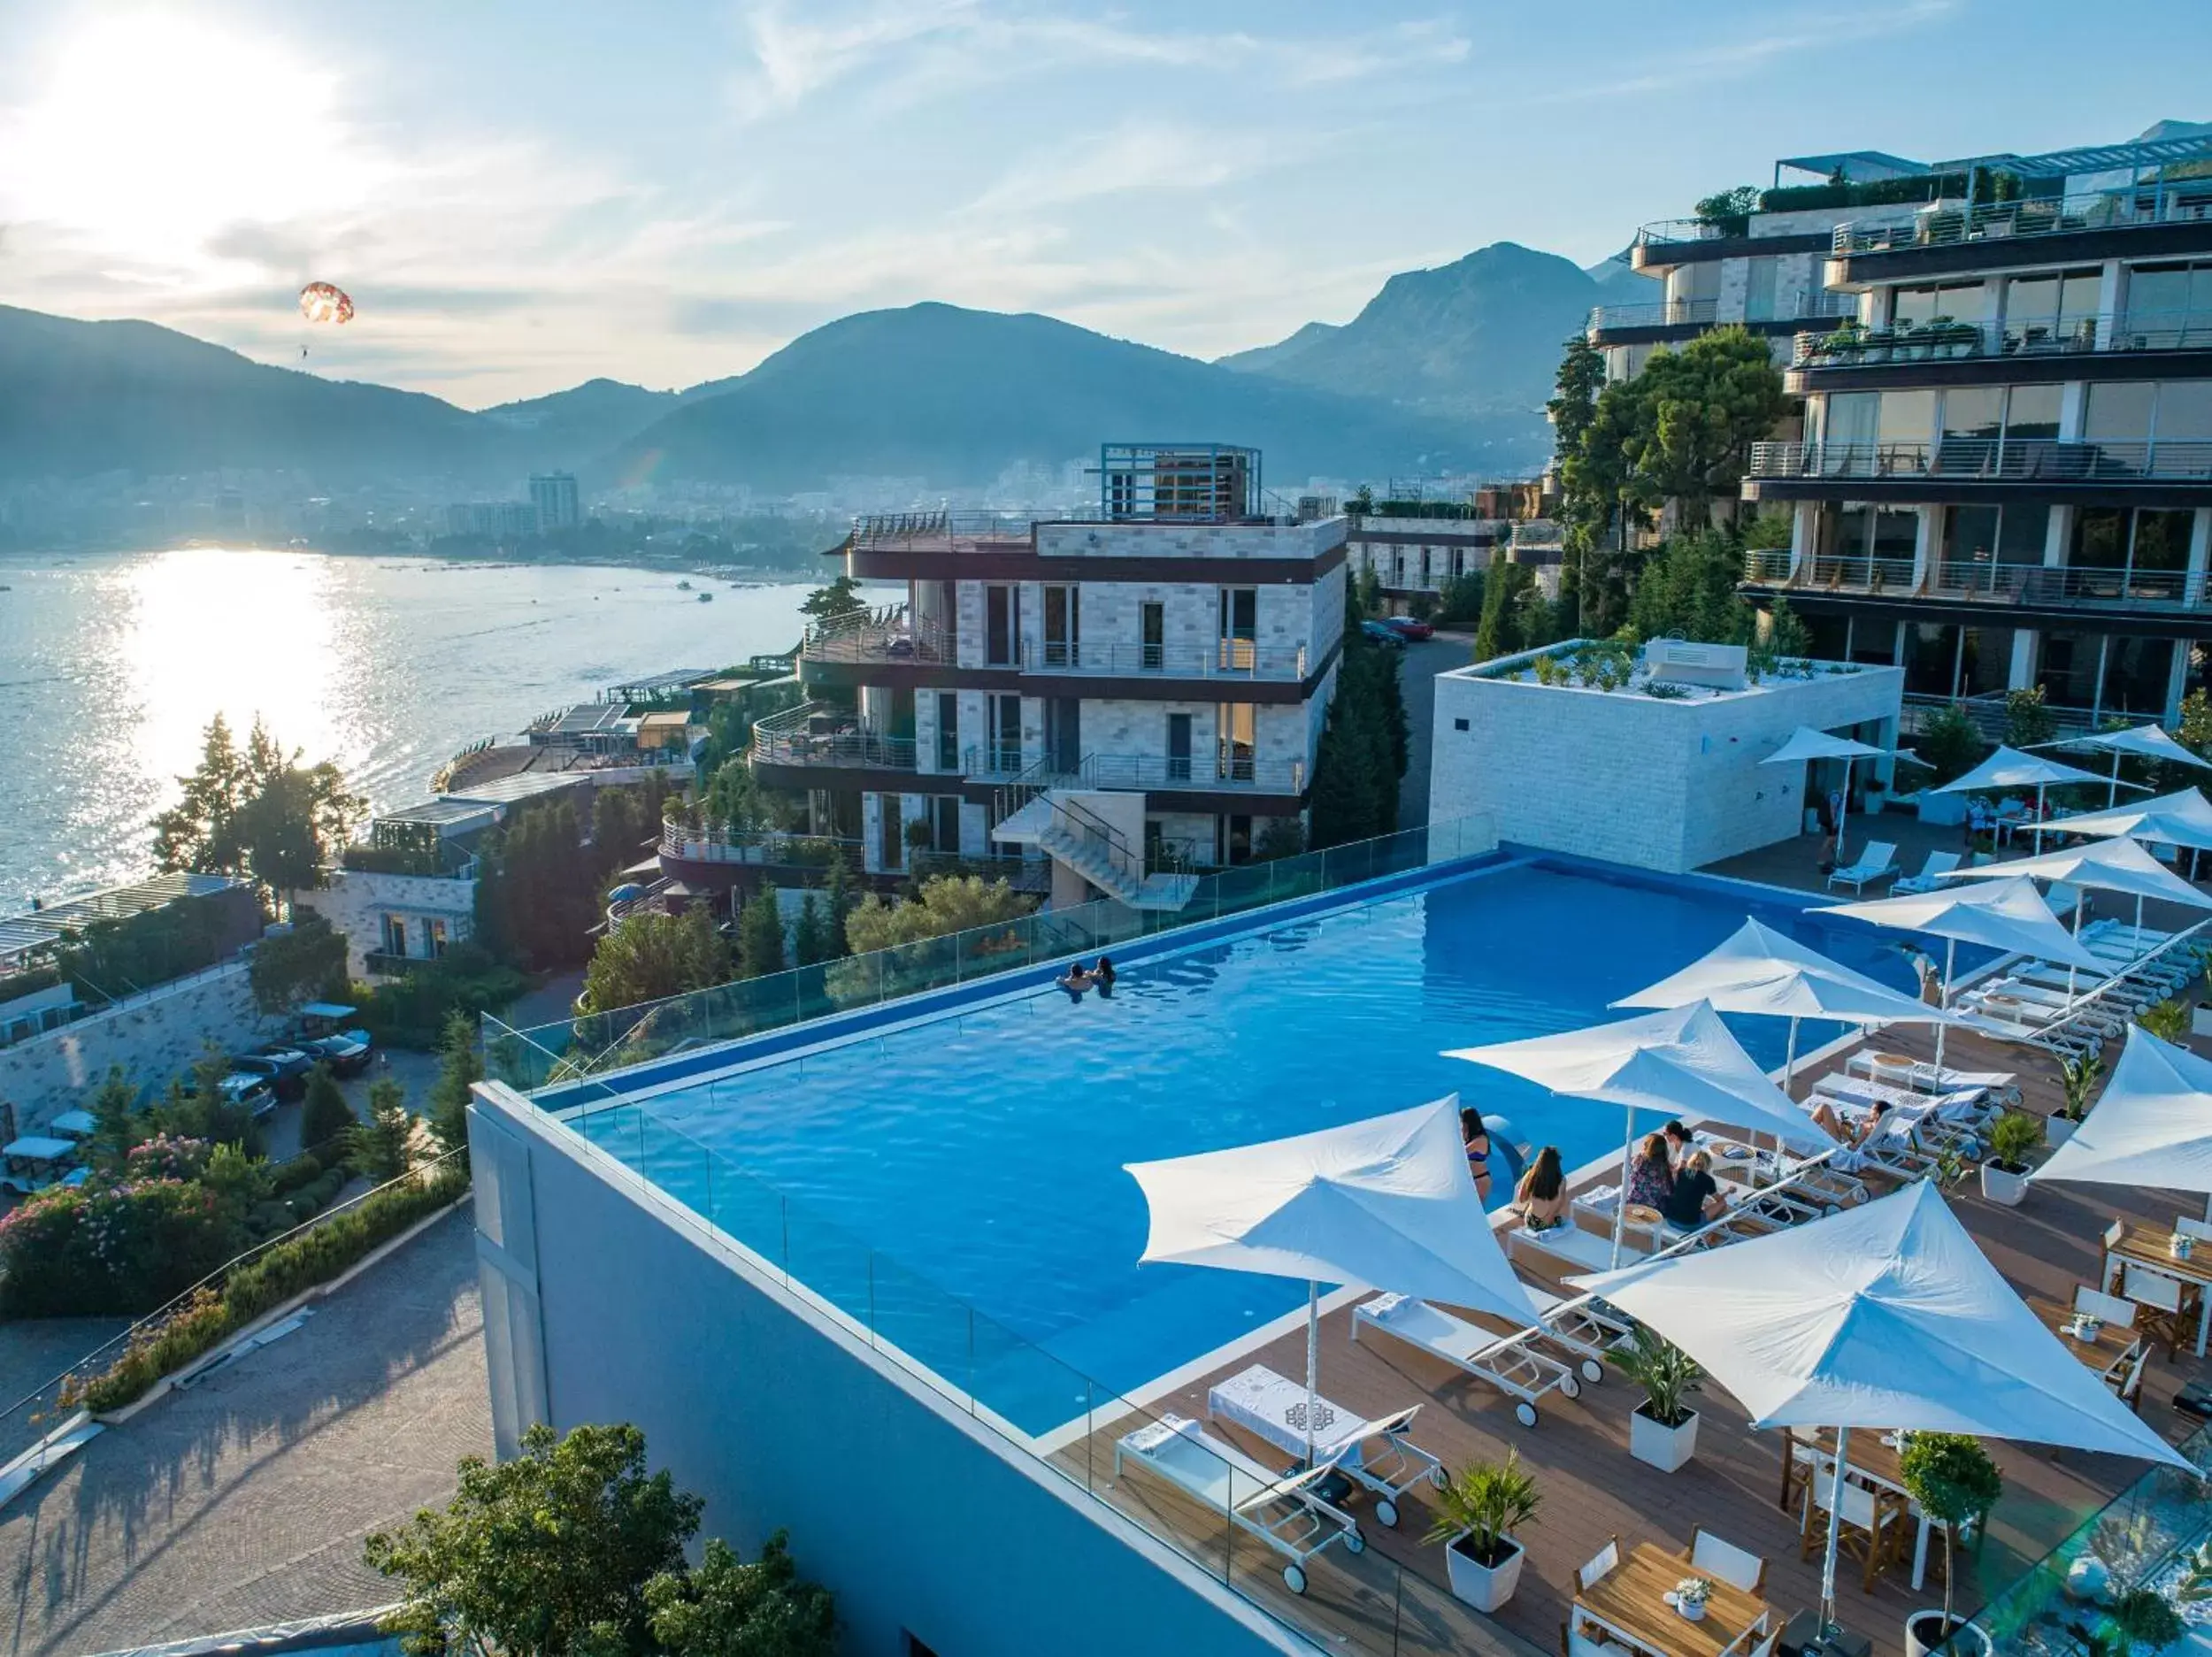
x=284, y=1068
x=1382, y=634
x=244, y=1088
x=1407, y=627
x=327, y=1041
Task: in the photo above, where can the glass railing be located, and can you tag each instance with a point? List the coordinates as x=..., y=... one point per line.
x=1349, y=1597
x=1943, y=339
x=2139, y=1537
x=1991, y=459
x=2184, y=200
x=595, y=1043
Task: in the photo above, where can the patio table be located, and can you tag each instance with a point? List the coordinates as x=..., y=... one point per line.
x=1629, y=1602
x=2108, y=1354
x=2148, y=1247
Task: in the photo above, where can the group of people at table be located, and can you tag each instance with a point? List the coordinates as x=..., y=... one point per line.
x=1669, y=1174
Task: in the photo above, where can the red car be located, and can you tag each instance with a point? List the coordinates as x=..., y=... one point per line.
x=1407, y=628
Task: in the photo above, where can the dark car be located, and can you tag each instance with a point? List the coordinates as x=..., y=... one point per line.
x=1382, y=634
x=1406, y=628
x=325, y=1039
x=242, y=1087
x=284, y=1068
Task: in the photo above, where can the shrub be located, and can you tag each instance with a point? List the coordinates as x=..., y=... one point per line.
x=324, y=1116
x=1489, y=1501
x=946, y=904
x=412, y=1012
x=2168, y=1021
x=75, y=1251
x=1667, y=1374
x=1951, y=745
x=2013, y=1140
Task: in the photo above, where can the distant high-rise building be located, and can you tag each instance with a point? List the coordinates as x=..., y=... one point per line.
x=554, y=495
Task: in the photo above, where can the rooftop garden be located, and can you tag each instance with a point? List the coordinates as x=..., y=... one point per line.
x=1607, y=665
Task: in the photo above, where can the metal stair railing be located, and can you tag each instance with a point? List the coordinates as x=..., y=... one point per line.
x=1094, y=833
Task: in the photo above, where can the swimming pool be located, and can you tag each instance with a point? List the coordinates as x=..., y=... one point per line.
x=975, y=1158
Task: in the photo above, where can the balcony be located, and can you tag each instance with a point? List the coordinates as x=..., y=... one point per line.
x=1702, y=313
x=1205, y=774
x=814, y=733
x=1226, y=658
x=2024, y=585
x=754, y=847
x=878, y=637
x=1943, y=341
x=2183, y=200
x=1953, y=460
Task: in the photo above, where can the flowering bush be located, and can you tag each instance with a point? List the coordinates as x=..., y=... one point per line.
x=122, y=1248
x=168, y=1156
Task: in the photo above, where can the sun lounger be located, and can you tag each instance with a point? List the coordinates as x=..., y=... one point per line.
x=1807, y=1190
x=2002, y=1086
x=1373, y=1453
x=1584, y=1325
x=2018, y=1022
x=2118, y=992
x=2084, y=1011
x=1969, y=1108
x=1932, y=873
x=1282, y=1510
x=1506, y=1362
x=1898, y=1147
x=1877, y=860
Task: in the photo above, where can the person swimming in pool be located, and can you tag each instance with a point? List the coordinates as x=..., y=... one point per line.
x=1076, y=979
x=1102, y=977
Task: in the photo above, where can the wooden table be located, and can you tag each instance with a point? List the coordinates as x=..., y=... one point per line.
x=1877, y=1463
x=1630, y=1603
x=2148, y=1247
x=2107, y=1354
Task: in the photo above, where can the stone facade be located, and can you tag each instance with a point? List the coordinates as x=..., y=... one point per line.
x=1631, y=779
x=153, y=1037
x=355, y=903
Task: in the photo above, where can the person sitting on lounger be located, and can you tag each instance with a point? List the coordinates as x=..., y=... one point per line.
x=1477, y=1136
x=1541, y=1196
x=1695, y=1196
x=1650, y=1176
x=1824, y=1114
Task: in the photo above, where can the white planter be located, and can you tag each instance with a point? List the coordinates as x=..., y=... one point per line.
x=2200, y=1019
x=1691, y=1612
x=1485, y=1587
x=1966, y=1641
x=2000, y=1187
x=2058, y=1129
x=1666, y=1448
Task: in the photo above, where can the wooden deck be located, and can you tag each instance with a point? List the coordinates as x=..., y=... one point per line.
x=1593, y=1490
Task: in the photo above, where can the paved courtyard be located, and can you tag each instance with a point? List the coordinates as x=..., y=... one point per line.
x=243, y=1501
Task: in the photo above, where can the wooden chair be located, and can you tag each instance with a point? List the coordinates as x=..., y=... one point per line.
x=1798, y=1460
x=2126, y=1382
x=2163, y=1311
x=1602, y=1565
x=1709, y=1555
x=2106, y=1308
x=1873, y=1527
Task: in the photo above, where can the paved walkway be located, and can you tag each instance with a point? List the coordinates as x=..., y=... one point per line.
x=243, y=1501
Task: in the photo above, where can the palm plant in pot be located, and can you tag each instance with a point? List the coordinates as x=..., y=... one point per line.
x=1662, y=1429
x=2013, y=1138
x=1954, y=1480
x=1476, y=1513
x=2080, y=1077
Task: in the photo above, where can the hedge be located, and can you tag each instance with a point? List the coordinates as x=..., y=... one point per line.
x=284, y=1271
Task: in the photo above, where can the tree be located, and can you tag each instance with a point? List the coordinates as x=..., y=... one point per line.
x=460, y=1066
x=326, y=1118
x=650, y=955
x=728, y=1609
x=2029, y=723
x=1367, y=599
x=199, y=833
x=760, y=936
x=840, y=595
x=539, y=895
x=381, y=1148
x=810, y=936
x=1787, y=634
x=290, y=967
x=1727, y=209
x=1498, y=632
x=837, y=893
x=542, y=1556
x=1687, y=590
x=259, y=813
x=946, y=904
x=118, y=1122
x=616, y=829
x=1359, y=764
x=1953, y=1480
x=1697, y=412
x=197, y=1108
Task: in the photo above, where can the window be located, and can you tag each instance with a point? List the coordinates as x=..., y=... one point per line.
x=1240, y=622
x=1985, y=660
x=948, y=731
x=432, y=938
x=1061, y=629
x=1931, y=656
x=2184, y=411
x=1977, y=411
x=2136, y=671
x=2044, y=313
x=1001, y=626
x=2067, y=669
x=944, y=823
x=2119, y=412
x=2022, y=533
x=1961, y=302
x=2031, y=412
x=2169, y=307
x=1235, y=732
x=1758, y=293
x=1179, y=750
x=1459, y=724
x=1005, y=734
x=1152, y=634
x=395, y=931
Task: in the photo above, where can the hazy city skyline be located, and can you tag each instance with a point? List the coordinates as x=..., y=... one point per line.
x=520, y=198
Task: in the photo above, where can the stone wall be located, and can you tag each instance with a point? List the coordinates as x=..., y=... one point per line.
x=153, y=1037
x=356, y=902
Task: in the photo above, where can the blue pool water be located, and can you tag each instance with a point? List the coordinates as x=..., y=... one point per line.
x=977, y=1158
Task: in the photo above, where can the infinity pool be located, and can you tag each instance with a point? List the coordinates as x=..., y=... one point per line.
x=979, y=1153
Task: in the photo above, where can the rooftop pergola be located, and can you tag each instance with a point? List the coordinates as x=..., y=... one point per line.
x=22, y=934
x=655, y=686
x=2134, y=155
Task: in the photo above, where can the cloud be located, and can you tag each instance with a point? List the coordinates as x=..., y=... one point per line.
x=1140, y=154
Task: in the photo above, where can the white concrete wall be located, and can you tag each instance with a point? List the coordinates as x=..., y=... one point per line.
x=154, y=1037
x=356, y=902
x=1663, y=785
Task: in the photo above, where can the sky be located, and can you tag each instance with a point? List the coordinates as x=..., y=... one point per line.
x=521, y=196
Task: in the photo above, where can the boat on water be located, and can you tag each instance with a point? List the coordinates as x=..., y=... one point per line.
x=683, y=587
x=706, y=598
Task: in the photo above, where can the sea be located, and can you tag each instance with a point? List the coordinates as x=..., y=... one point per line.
x=112, y=665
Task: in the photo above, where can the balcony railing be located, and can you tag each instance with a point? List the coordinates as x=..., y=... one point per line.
x=1949, y=226
x=1945, y=340
x=1686, y=312
x=878, y=637
x=1222, y=658
x=1990, y=459
x=1983, y=582
x=935, y=530
x=1212, y=772
x=757, y=847
x=814, y=734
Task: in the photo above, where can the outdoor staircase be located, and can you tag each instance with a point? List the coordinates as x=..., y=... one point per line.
x=1062, y=828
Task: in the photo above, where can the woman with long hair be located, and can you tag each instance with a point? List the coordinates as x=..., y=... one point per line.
x=1541, y=1196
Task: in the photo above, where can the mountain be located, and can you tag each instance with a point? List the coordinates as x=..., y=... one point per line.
x=571, y=428
x=1620, y=283
x=1475, y=339
x=77, y=398
x=956, y=395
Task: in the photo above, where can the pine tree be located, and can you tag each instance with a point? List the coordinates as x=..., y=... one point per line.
x=810, y=938
x=380, y=1150
x=325, y=1117
x=838, y=892
x=118, y=1123
x=459, y=1066
x=760, y=936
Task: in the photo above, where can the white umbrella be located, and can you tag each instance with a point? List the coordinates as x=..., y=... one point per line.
x=2117, y=865
x=1388, y=1202
x=2007, y=915
x=1680, y=1062
x=2181, y=819
x=1805, y=743
x=1761, y=970
x=2142, y=741
x=2010, y=768
x=2152, y=1126
x=1883, y=1316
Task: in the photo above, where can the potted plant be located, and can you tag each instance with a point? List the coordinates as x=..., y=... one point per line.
x=1476, y=1513
x=1689, y=1597
x=1662, y=1429
x=2081, y=1076
x=2012, y=1140
x=2143, y=1618
x=1954, y=1482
